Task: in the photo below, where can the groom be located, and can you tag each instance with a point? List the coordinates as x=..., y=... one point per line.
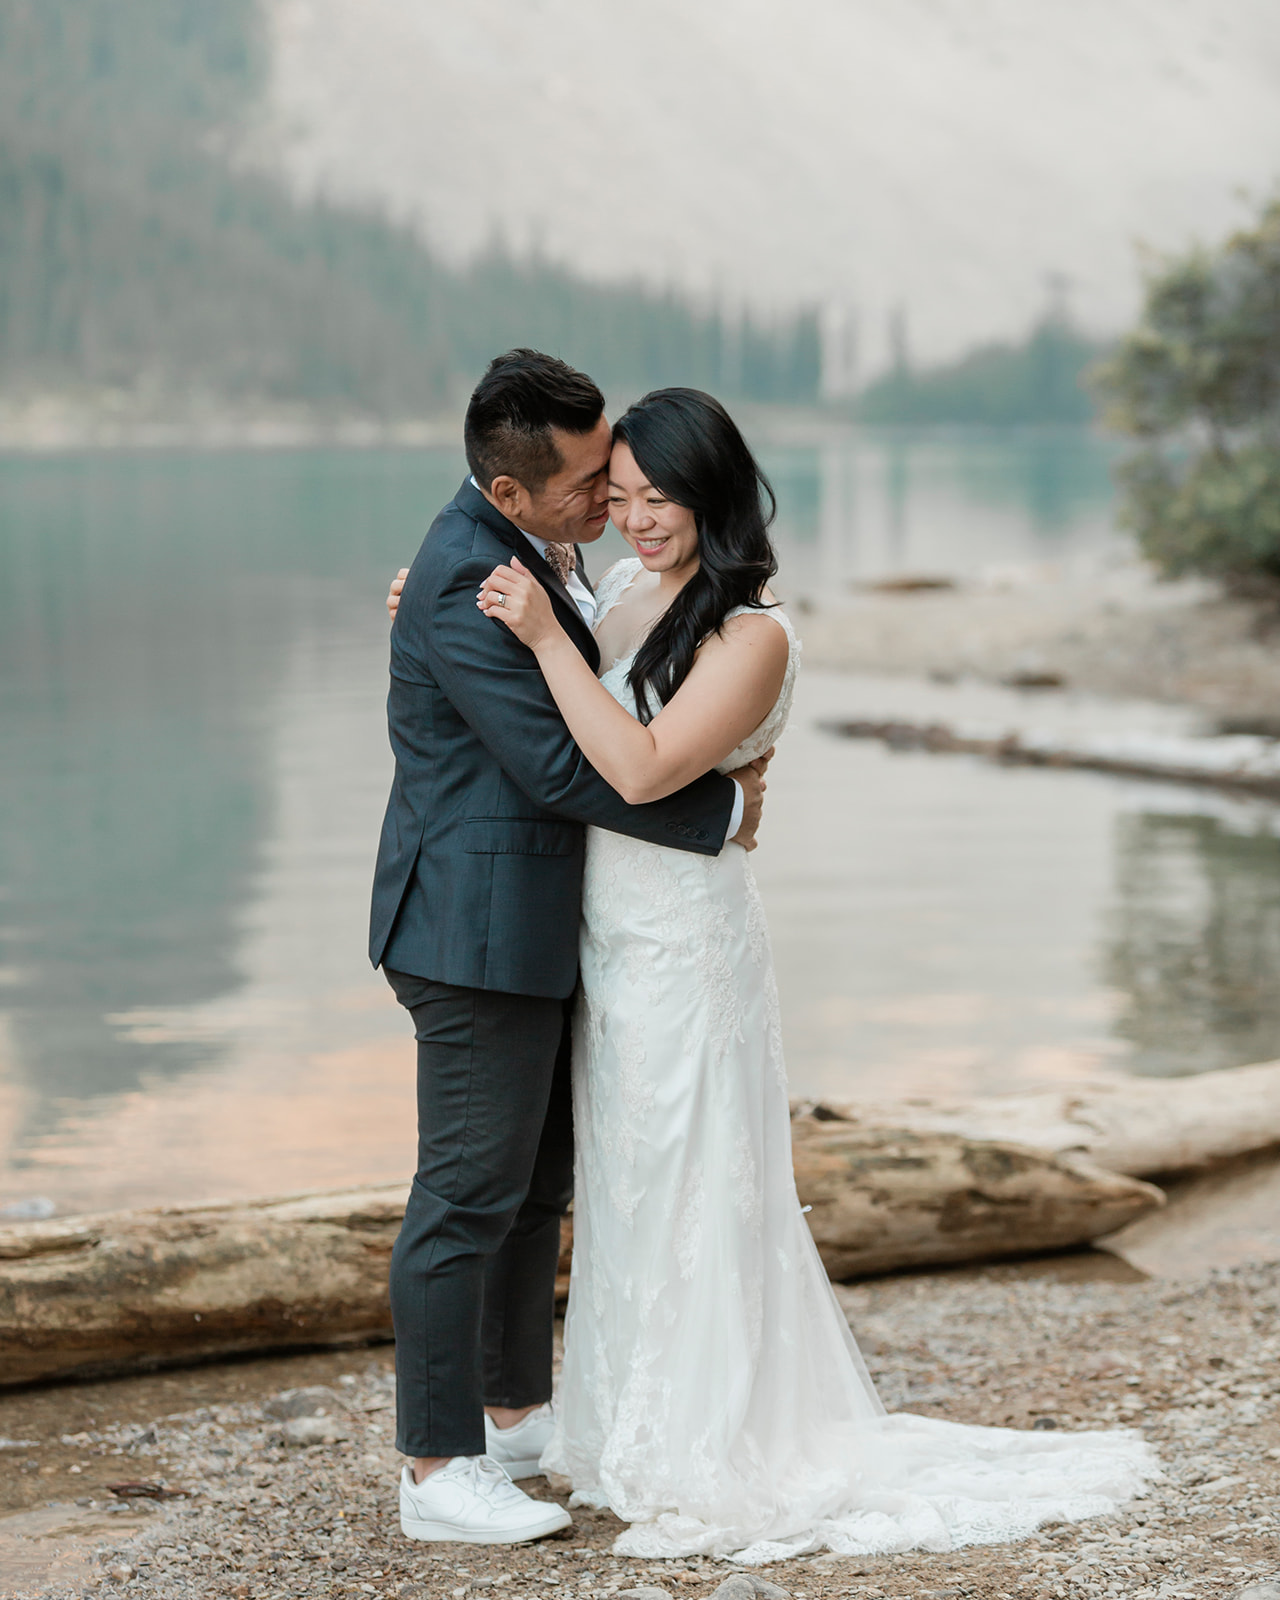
x=476, y=902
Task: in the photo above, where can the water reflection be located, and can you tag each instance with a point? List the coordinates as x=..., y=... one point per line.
x=148, y=613
x=1195, y=938
x=957, y=503
x=192, y=671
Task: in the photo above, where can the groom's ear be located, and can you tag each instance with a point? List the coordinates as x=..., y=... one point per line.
x=510, y=496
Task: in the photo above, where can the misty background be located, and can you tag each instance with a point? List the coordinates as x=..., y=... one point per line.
x=351, y=204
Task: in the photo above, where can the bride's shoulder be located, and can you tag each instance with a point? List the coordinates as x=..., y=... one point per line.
x=756, y=622
x=766, y=621
x=761, y=630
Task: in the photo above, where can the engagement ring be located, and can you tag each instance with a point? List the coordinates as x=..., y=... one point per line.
x=500, y=599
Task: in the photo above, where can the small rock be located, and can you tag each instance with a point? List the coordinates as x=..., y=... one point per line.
x=120, y=1574
x=645, y=1591
x=145, y=1491
x=1260, y=1591
x=313, y=1402
x=1105, y=1364
x=303, y=1432
x=1044, y=1424
x=1034, y=678
x=748, y=1586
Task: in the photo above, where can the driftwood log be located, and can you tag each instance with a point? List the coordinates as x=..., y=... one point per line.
x=882, y=1198
x=1249, y=761
x=1139, y=1126
x=144, y=1288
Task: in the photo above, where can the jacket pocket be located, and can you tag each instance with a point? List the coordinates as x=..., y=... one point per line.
x=519, y=836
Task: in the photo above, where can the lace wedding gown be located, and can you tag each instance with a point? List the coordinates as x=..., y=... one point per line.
x=712, y=1395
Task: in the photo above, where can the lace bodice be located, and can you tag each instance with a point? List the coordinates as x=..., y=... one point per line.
x=614, y=585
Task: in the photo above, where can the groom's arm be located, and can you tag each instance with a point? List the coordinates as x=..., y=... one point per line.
x=496, y=686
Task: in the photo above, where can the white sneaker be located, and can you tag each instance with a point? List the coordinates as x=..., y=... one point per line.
x=518, y=1450
x=471, y=1500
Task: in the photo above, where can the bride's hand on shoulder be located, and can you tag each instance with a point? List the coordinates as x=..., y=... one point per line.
x=514, y=597
x=393, y=593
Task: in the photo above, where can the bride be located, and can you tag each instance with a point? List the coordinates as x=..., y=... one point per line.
x=712, y=1395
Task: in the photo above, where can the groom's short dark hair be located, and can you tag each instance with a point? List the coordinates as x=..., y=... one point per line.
x=521, y=397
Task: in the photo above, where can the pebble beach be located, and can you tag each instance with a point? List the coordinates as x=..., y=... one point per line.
x=277, y=1477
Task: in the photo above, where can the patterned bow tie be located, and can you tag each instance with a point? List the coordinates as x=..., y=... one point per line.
x=562, y=559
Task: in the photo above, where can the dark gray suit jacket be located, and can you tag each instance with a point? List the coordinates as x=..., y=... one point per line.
x=479, y=875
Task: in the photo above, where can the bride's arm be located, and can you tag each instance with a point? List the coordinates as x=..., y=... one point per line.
x=732, y=687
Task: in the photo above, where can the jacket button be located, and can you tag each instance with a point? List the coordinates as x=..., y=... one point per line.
x=702, y=833
x=673, y=827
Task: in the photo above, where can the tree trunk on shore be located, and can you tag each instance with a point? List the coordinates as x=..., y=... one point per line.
x=141, y=1288
x=1139, y=1126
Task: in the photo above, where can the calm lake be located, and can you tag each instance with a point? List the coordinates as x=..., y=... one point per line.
x=192, y=673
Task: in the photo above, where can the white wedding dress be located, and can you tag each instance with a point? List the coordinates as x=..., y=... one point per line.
x=712, y=1395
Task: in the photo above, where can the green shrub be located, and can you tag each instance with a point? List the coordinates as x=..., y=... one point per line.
x=1197, y=382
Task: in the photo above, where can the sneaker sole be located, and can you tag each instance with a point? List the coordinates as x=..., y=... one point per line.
x=450, y=1533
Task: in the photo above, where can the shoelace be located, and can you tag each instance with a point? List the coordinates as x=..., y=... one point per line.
x=487, y=1478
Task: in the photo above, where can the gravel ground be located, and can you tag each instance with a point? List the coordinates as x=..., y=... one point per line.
x=288, y=1483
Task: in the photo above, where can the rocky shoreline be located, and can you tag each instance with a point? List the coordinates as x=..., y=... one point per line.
x=1114, y=632
x=277, y=1477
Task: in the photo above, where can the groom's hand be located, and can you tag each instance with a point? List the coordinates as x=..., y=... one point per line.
x=751, y=779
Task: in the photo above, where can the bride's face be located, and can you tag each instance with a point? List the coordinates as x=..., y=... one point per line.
x=663, y=534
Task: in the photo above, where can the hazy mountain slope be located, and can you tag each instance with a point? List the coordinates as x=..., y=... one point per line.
x=941, y=153
x=135, y=258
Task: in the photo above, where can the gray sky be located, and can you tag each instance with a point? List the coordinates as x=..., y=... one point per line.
x=941, y=154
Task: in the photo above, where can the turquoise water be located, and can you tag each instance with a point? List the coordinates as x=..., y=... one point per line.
x=192, y=670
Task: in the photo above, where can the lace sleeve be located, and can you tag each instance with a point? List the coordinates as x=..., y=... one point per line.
x=615, y=580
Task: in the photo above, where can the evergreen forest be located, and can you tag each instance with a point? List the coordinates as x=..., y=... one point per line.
x=1042, y=379
x=137, y=255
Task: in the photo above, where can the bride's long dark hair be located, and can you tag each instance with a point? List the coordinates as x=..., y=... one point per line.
x=690, y=450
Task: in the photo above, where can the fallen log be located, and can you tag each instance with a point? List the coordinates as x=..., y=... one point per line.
x=137, y=1289
x=884, y=1198
x=140, y=1289
x=1139, y=1126
x=1249, y=762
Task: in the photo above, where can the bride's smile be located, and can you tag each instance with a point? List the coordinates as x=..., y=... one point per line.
x=663, y=534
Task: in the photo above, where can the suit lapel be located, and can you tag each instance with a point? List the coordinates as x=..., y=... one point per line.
x=470, y=500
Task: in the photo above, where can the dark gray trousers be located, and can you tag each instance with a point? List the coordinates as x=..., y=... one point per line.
x=473, y=1269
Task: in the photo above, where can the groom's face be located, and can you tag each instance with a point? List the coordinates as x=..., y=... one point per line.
x=572, y=506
